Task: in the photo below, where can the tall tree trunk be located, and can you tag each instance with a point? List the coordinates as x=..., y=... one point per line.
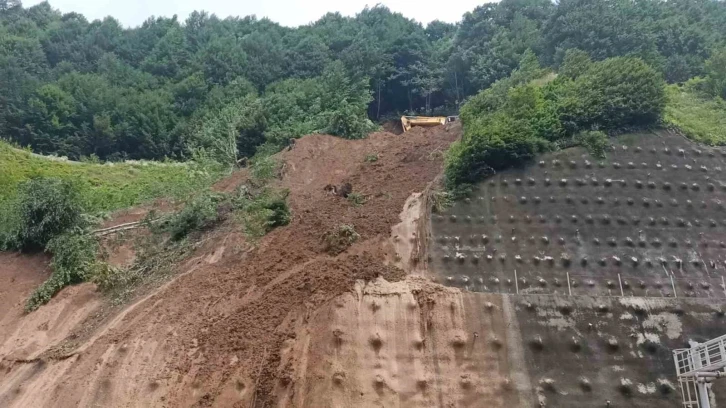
x=456, y=85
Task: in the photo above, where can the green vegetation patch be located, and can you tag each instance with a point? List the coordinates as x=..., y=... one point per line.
x=74, y=261
x=529, y=113
x=261, y=211
x=105, y=187
x=699, y=118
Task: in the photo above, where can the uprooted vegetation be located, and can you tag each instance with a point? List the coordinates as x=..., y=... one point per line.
x=356, y=199
x=256, y=207
x=48, y=214
x=261, y=211
x=340, y=238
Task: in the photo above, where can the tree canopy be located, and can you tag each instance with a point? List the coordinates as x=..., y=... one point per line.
x=74, y=87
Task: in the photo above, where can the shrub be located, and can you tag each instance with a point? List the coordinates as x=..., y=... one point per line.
x=492, y=143
x=263, y=168
x=357, y=199
x=340, y=238
x=262, y=212
x=596, y=142
x=197, y=215
x=74, y=261
x=45, y=208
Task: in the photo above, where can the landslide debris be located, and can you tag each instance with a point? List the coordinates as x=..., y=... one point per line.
x=215, y=335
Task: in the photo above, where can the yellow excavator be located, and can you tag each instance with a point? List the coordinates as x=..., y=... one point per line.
x=427, y=121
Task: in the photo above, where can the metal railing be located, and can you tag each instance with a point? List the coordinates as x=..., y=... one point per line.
x=706, y=357
x=689, y=391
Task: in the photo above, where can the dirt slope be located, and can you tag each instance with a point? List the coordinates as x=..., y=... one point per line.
x=224, y=333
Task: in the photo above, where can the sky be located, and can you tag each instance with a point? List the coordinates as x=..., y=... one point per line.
x=286, y=12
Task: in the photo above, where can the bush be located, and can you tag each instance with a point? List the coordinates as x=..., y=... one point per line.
x=511, y=136
x=262, y=212
x=197, y=215
x=595, y=141
x=74, y=261
x=45, y=208
x=340, y=238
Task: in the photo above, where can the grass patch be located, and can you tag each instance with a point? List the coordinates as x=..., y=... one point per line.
x=104, y=187
x=700, y=119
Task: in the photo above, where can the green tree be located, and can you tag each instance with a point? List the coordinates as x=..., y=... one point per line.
x=575, y=63
x=613, y=94
x=716, y=73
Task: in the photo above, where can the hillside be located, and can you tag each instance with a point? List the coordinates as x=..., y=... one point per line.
x=248, y=303
x=105, y=187
x=227, y=212
x=285, y=323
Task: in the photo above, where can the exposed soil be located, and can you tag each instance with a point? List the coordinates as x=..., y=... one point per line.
x=19, y=276
x=219, y=334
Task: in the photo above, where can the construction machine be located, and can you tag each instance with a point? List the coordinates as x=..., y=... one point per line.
x=410, y=121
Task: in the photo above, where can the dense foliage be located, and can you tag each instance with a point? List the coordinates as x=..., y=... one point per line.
x=531, y=111
x=45, y=208
x=75, y=87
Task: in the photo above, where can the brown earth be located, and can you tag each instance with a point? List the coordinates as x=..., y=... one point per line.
x=227, y=331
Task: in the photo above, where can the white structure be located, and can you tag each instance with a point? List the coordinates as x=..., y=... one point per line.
x=698, y=366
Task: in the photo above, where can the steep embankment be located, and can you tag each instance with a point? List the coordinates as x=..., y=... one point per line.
x=226, y=330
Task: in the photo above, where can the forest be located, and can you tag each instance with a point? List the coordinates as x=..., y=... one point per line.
x=228, y=87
